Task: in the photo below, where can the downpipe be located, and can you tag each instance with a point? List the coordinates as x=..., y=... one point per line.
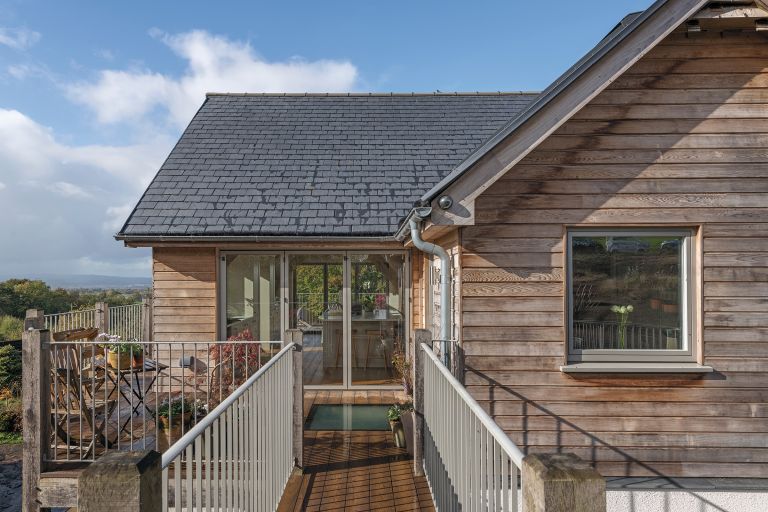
x=445, y=281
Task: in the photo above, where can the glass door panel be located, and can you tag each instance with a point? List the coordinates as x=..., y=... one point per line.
x=377, y=288
x=315, y=306
x=253, y=297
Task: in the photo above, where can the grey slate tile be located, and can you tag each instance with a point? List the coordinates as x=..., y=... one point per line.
x=314, y=164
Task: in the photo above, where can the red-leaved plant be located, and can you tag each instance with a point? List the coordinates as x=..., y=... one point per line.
x=233, y=364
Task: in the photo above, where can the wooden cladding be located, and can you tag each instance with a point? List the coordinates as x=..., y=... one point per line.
x=681, y=139
x=184, y=294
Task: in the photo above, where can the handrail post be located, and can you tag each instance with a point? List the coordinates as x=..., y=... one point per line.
x=102, y=317
x=35, y=319
x=420, y=336
x=297, y=337
x=146, y=319
x=35, y=397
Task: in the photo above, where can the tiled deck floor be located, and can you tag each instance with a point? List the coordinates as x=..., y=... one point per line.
x=355, y=470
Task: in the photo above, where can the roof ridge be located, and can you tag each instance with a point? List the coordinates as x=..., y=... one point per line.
x=373, y=94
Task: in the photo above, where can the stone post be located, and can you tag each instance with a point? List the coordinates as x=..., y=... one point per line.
x=122, y=482
x=561, y=482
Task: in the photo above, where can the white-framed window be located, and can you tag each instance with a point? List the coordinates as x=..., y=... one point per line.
x=630, y=294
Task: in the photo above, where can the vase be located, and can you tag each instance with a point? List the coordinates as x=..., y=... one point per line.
x=397, y=433
x=174, y=429
x=407, y=420
x=380, y=314
x=124, y=360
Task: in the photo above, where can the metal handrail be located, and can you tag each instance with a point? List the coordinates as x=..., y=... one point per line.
x=498, y=434
x=188, y=438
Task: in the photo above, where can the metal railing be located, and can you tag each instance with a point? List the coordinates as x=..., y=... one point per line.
x=140, y=395
x=239, y=456
x=58, y=322
x=612, y=335
x=469, y=462
x=127, y=321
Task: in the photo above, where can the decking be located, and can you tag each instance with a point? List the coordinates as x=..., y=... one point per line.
x=355, y=470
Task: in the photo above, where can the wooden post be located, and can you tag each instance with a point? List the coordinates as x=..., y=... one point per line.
x=122, y=482
x=296, y=336
x=36, y=403
x=561, y=482
x=102, y=317
x=35, y=319
x=421, y=336
x=146, y=319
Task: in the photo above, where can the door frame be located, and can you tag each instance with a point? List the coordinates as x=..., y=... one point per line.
x=221, y=290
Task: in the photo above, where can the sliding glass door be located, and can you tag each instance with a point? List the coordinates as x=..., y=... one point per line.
x=377, y=316
x=316, y=307
x=350, y=306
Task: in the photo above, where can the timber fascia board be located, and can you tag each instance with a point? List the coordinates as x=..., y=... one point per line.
x=569, y=95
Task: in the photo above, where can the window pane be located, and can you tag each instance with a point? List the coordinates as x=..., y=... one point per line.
x=627, y=292
x=253, y=297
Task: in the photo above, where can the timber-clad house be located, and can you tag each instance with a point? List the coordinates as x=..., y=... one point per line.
x=607, y=241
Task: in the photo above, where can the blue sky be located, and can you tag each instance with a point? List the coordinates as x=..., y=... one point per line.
x=93, y=94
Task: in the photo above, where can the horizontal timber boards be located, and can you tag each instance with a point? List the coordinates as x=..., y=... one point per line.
x=184, y=294
x=681, y=140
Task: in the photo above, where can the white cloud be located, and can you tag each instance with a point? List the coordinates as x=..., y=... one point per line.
x=18, y=38
x=214, y=63
x=68, y=190
x=2, y=185
x=66, y=196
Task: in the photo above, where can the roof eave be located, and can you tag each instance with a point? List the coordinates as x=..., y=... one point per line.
x=150, y=239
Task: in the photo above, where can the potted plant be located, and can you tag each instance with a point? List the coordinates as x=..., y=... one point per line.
x=393, y=415
x=176, y=414
x=122, y=355
x=406, y=418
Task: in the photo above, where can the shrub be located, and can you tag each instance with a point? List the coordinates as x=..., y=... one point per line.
x=10, y=368
x=10, y=328
x=10, y=416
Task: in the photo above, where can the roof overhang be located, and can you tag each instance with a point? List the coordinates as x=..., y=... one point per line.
x=558, y=103
x=148, y=240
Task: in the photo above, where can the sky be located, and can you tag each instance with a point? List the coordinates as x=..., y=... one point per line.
x=94, y=94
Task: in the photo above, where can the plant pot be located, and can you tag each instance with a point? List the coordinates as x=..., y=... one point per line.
x=398, y=433
x=655, y=304
x=669, y=308
x=175, y=429
x=407, y=420
x=124, y=360
x=380, y=314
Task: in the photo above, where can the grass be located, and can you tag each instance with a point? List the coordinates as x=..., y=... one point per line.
x=10, y=438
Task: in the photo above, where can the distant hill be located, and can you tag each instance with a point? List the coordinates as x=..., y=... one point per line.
x=89, y=281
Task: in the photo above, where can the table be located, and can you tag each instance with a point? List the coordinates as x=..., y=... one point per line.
x=123, y=375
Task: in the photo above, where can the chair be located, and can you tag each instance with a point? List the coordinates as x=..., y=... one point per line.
x=78, y=392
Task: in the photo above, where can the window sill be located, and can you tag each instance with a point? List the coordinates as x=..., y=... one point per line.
x=605, y=367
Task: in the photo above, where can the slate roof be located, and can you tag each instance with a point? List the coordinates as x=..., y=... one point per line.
x=313, y=165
